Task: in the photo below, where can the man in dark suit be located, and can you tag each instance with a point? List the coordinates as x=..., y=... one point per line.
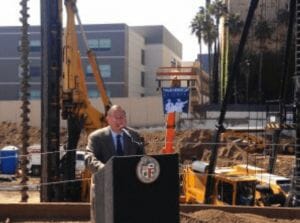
x=114, y=140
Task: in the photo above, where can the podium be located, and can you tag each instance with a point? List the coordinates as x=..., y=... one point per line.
x=135, y=189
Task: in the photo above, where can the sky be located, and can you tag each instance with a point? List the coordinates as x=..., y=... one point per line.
x=175, y=15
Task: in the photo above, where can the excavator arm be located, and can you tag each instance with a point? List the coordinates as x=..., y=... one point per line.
x=74, y=95
x=75, y=104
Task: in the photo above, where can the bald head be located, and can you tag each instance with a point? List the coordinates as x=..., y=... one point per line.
x=116, y=118
x=114, y=108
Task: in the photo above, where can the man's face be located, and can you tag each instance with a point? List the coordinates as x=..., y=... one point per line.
x=117, y=120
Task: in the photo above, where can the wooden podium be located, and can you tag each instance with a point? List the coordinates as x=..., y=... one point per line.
x=137, y=189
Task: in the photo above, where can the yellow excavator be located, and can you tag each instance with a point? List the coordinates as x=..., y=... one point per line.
x=236, y=185
x=231, y=186
x=75, y=104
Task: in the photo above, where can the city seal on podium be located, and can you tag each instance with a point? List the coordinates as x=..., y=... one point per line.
x=147, y=169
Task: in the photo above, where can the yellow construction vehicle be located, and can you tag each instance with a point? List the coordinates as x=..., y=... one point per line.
x=75, y=104
x=231, y=186
x=235, y=185
x=271, y=189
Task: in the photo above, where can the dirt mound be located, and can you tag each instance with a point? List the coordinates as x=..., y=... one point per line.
x=189, y=144
x=217, y=216
x=11, y=134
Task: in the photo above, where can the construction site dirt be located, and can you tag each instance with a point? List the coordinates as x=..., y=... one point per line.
x=190, y=144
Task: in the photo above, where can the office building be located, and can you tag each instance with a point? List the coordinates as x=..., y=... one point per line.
x=128, y=58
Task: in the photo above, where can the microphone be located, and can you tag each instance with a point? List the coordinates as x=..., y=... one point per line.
x=130, y=136
x=127, y=133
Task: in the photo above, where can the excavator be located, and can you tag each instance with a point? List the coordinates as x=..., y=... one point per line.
x=242, y=184
x=232, y=186
x=76, y=107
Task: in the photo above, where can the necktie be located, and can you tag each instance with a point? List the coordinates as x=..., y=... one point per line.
x=119, y=146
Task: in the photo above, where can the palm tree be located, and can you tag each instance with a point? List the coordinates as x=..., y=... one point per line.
x=207, y=3
x=218, y=9
x=197, y=26
x=205, y=29
x=263, y=32
x=234, y=25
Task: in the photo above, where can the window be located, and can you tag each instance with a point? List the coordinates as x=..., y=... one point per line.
x=245, y=193
x=143, y=57
x=93, y=93
x=93, y=43
x=34, y=71
x=143, y=79
x=225, y=192
x=35, y=94
x=100, y=44
x=89, y=72
x=105, y=70
x=34, y=46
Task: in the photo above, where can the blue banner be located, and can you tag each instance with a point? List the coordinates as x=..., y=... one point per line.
x=175, y=99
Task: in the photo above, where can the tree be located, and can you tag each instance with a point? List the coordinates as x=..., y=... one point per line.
x=235, y=24
x=218, y=10
x=197, y=26
x=263, y=32
x=205, y=29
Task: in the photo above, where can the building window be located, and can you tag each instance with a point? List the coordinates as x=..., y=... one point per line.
x=100, y=44
x=34, y=46
x=104, y=68
x=143, y=57
x=93, y=93
x=143, y=79
x=89, y=72
x=35, y=94
x=35, y=71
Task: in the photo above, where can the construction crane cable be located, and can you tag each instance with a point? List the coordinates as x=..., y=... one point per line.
x=24, y=85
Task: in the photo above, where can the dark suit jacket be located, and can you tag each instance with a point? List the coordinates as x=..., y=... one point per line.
x=101, y=147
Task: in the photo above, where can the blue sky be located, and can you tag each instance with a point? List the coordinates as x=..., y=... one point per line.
x=175, y=15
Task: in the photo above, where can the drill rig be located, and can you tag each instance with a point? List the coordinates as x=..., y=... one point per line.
x=70, y=98
x=75, y=104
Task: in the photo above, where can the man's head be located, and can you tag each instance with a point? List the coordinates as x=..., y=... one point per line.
x=116, y=118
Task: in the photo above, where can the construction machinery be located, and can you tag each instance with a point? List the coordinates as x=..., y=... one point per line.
x=231, y=186
x=236, y=185
x=75, y=104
